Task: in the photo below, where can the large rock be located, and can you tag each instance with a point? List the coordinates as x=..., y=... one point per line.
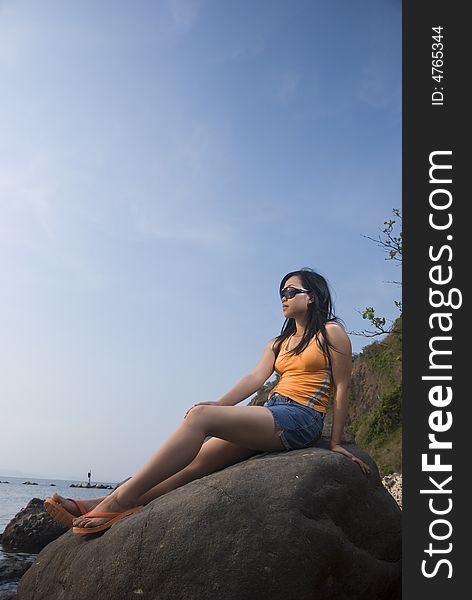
x=305, y=524
x=31, y=529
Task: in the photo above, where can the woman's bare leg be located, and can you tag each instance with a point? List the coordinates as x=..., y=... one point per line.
x=251, y=427
x=214, y=455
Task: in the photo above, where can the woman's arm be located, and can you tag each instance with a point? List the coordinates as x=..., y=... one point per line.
x=341, y=362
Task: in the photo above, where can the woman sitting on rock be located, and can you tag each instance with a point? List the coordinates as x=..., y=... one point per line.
x=312, y=355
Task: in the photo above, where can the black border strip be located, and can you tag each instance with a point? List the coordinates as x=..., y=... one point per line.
x=435, y=254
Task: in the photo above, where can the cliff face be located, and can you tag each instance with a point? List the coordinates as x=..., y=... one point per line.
x=375, y=410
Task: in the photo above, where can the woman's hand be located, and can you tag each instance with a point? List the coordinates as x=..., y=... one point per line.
x=214, y=402
x=364, y=468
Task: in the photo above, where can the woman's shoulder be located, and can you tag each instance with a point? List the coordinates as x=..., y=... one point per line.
x=271, y=343
x=337, y=334
x=335, y=326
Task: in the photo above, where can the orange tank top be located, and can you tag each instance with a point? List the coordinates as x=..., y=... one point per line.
x=306, y=377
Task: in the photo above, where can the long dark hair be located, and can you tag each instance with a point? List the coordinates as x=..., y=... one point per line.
x=320, y=312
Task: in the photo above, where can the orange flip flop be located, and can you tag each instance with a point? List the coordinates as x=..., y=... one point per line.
x=60, y=514
x=114, y=517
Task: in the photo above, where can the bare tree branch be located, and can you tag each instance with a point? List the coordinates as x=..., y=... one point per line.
x=393, y=245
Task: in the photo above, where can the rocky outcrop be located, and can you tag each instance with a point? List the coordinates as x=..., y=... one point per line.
x=302, y=524
x=394, y=484
x=28, y=532
x=31, y=529
x=375, y=405
x=376, y=371
x=100, y=486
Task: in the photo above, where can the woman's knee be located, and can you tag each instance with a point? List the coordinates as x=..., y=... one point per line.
x=197, y=414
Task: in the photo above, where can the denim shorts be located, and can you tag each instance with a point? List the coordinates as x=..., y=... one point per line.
x=300, y=426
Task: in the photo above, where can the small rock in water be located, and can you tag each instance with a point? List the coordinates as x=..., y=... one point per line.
x=13, y=566
x=101, y=486
x=7, y=595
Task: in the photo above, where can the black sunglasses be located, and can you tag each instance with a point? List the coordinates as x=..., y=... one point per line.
x=291, y=292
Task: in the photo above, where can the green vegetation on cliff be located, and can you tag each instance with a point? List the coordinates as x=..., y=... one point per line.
x=375, y=412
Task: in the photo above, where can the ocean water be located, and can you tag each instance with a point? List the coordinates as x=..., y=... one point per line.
x=14, y=496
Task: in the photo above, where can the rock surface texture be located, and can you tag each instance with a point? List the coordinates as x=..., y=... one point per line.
x=31, y=529
x=305, y=525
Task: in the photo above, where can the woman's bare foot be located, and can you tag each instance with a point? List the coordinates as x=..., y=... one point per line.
x=72, y=508
x=108, y=504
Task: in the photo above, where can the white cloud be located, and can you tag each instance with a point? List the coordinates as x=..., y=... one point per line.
x=152, y=222
x=27, y=188
x=38, y=229
x=16, y=35
x=286, y=85
x=185, y=13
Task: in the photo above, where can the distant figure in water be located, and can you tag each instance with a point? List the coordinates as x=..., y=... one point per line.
x=313, y=357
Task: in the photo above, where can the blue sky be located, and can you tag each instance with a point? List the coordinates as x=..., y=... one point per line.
x=162, y=166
